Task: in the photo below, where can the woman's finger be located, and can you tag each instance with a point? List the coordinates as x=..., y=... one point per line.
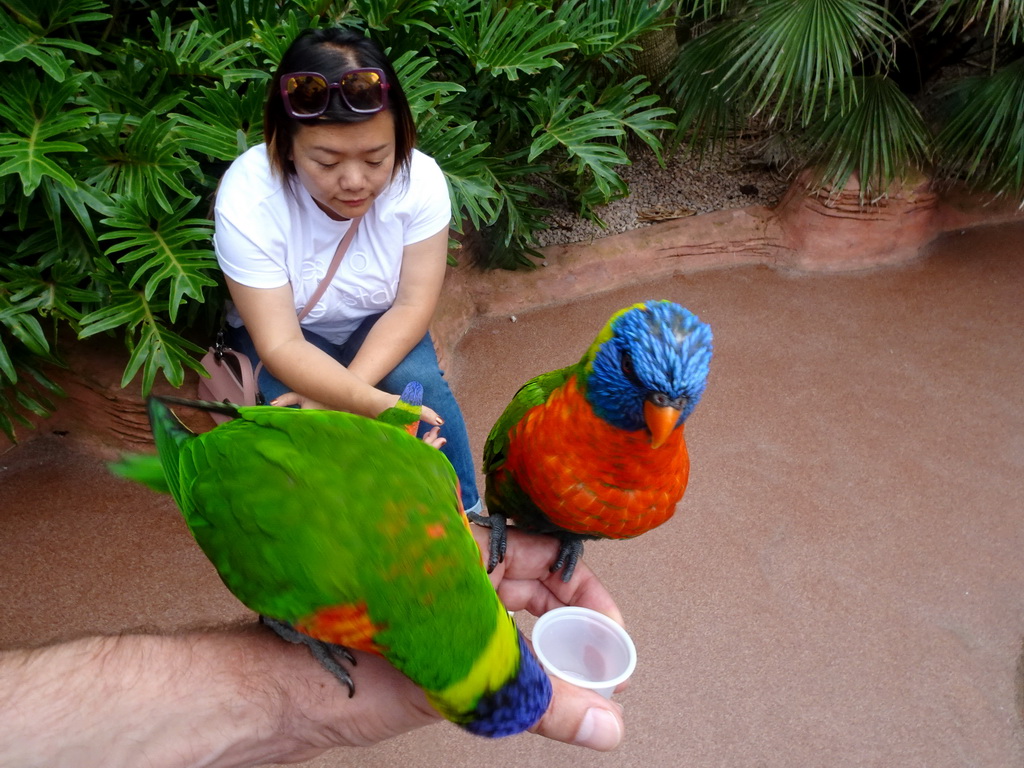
x=429, y=416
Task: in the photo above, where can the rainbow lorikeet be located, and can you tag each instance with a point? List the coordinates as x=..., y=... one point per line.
x=343, y=533
x=596, y=449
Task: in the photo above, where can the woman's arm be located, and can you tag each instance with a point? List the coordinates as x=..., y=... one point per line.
x=402, y=326
x=269, y=316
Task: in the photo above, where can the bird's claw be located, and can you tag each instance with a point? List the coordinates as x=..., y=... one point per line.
x=569, y=553
x=499, y=536
x=326, y=653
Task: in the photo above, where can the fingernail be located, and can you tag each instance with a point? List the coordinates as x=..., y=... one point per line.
x=599, y=730
x=440, y=421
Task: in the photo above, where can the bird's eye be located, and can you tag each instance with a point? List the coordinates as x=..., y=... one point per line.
x=627, y=366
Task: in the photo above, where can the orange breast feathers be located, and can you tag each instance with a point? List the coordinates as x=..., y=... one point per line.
x=590, y=477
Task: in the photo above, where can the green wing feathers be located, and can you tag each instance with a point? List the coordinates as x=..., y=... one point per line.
x=160, y=471
x=349, y=529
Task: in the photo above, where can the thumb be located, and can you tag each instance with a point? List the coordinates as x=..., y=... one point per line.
x=581, y=717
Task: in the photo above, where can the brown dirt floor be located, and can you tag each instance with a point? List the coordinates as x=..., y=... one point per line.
x=843, y=584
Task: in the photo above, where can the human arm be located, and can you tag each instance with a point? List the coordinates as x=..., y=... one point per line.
x=231, y=697
x=269, y=316
x=405, y=323
x=241, y=697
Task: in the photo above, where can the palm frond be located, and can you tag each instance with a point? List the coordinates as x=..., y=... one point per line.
x=40, y=125
x=168, y=245
x=789, y=54
x=28, y=36
x=142, y=159
x=707, y=99
x=223, y=122
x=637, y=113
x=194, y=53
x=30, y=391
x=424, y=90
x=999, y=17
x=587, y=135
x=461, y=156
x=703, y=10
x=234, y=17
x=983, y=141
x=398, y=15
x=881, y=138
x=153, y=345
x=609, y=29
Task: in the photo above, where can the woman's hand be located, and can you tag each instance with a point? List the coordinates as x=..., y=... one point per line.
x=434, y=439
x=428, y=415
x=294, y=398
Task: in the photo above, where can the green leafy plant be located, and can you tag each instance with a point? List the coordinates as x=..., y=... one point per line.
x=116, y=122
x=846, y=80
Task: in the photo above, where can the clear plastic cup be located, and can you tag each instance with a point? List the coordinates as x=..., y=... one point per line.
x=585, y=648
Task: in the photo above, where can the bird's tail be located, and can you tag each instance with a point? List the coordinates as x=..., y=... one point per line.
x=505, y=692
x=170, y=436
x=160, y=471
x=143, y=468
x=406, y=412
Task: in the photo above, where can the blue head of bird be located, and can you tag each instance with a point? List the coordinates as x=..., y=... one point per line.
x=648, y=367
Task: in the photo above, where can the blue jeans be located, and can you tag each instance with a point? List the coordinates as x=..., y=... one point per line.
x=419, y=365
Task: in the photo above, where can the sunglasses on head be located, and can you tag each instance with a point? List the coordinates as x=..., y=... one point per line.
x=307, y=94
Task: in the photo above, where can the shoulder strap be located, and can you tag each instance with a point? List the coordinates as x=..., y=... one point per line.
x=335, y=263
x=322, y=285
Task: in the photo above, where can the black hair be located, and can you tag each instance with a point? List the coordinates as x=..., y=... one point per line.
x=332, y=52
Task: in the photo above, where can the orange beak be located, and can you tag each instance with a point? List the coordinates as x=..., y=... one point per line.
x=661, y=420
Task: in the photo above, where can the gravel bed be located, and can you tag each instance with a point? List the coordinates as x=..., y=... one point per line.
x=737, y=178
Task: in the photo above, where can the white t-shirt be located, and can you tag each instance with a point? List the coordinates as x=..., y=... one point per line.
x=271, y=233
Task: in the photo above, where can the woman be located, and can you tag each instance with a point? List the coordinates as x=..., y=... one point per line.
x=339, y=148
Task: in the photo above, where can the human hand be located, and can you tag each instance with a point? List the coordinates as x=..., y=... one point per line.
x=240, y=697
x=390, y=704
x=433, y=438
x=428, y=415
x=524, y=582
x=294, y=398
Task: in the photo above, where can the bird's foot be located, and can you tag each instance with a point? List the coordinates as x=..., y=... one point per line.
x=499, y=537
x=569, y=553
x=326, y=653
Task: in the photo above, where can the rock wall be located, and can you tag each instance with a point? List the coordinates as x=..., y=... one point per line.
x=805, y=232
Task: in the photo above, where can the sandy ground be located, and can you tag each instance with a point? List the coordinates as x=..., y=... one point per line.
x=841, y=586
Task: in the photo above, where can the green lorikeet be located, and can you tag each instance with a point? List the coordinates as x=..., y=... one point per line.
x=596, y=449
x=347, y=533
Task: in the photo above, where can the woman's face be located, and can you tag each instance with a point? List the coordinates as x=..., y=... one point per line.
x=345, y=166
